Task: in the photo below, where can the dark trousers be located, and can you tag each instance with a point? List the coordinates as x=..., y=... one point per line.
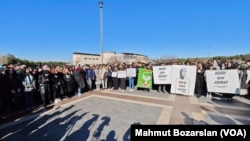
x=29, y=99
x=115, y=83
x=44, y=93
x=110, y=82
x=123, y=83
x=199, y=85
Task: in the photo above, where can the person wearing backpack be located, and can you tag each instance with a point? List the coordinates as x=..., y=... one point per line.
x=29, y=84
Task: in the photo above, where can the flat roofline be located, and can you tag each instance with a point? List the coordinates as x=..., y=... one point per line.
x=86, y=54
x=110, y=52
x=132, y=54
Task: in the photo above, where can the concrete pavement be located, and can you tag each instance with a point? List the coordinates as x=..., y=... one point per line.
x=108, y=114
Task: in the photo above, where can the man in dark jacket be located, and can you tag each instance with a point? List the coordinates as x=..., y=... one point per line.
x=79, y=79
x=44, y=80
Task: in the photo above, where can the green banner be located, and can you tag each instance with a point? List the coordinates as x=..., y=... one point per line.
x=144, y=78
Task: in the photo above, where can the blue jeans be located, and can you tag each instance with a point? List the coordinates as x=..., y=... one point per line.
x=131, y=83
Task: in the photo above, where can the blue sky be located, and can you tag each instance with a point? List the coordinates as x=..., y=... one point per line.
x=51, y=30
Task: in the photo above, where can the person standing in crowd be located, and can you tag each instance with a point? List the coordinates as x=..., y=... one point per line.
x=29, y=84
x=1, y=90
x=247, y=82
x=131, y=79
x=79, y=79
x=148, y=67
x=208, y=94
x=223, y=66
x=237, y=67
x=37, y=97
x=226, y=63
x=44, y=81
x=90, y=77
x=71, y=73
x=115, y=78
x=98, y=80
x=123, y=79
x=187, y=63
x=69, y=82
x=5, y=92
x=56, y=81
x=102, y=73
x=15, y=93
x=108, y=77
x=63, y=85
x=229, y=65
x=162, y=87
x=199, y=79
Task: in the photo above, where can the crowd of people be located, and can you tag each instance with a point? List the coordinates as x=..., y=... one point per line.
x=23, y=88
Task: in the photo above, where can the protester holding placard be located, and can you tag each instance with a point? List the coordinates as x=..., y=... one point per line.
x=114, y=78
x=199, y=79
x=144, y=81
x=131, y=78
x=161, y=87
x=209, y=67
x=182, y=83
x=122, y=77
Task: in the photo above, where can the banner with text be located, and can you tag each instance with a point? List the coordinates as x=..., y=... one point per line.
x=162, y=74
x=183, y=79
x=144, y=78
x=223, y=81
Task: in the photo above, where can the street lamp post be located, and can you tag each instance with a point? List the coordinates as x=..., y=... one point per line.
x=100, y=4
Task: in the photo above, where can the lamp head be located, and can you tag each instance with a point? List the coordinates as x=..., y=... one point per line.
x=100, y=4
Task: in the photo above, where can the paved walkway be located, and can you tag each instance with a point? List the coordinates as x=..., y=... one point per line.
x=107, y=115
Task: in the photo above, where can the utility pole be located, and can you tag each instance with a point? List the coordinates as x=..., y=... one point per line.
x=100, y=4
x=208, y=52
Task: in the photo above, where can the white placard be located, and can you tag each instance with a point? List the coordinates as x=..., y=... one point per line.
x=122, y=74
x=131, y=72
x=223, y=81
x=162, y=74
x=183, y=79
x=114, y=74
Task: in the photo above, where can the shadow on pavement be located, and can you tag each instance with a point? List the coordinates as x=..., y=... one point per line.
x=190, y=121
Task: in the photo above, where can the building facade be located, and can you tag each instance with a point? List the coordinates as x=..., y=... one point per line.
x=85, y=58
x=129, y=58
x=108, y=57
